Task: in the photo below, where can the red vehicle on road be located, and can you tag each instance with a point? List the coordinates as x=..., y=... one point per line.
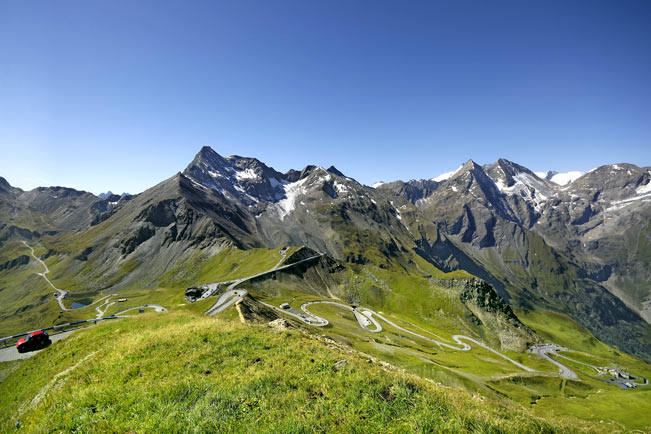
x=33, y=341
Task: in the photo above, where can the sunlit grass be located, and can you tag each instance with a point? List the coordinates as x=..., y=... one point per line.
x=186, y=373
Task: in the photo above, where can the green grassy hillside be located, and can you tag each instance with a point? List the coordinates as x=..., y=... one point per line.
x=183, y=372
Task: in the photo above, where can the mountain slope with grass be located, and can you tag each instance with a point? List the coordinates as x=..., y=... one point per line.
x=187, y=373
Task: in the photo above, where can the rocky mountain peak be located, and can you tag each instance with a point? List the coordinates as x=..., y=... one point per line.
x=470, y=165
x=296, y=175
x=333, y=169
x=4, y=185
x=509, y=168
x=512, y=178
x=241, y=178
x=207, y=157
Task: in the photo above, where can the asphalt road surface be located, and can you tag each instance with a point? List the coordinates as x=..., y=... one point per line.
x=156, y=308
x=11, y=353
x=544, y=350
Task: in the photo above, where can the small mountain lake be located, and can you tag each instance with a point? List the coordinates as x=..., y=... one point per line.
x=77, y=305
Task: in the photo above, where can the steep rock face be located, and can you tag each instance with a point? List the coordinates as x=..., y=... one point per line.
x=491, y=311
x=482, y=295
x=523, y=190
x=250, y=311
x=413, y=190
x=107, y=206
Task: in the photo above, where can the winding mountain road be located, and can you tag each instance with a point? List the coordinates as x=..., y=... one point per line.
x=364, y=316
x=62, y=292
x=596, y=368
x=217, y=307
x=544, y=350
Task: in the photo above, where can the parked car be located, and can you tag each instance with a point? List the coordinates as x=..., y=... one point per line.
x=34, y=341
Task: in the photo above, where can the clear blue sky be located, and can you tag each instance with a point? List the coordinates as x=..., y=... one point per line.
x=120, y=95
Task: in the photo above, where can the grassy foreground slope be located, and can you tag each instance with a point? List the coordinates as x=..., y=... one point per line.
x=182, y=372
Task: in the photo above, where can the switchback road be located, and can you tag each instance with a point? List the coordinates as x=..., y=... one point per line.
x=365, y=318
x=61, y=293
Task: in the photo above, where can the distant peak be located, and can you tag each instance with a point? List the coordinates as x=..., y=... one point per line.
x=209, y=153
x=471, y=166
x=4, y=183
x=209, y=157
x=334, y=170
x=508, y=163
x=307, y=171
x=509, y=167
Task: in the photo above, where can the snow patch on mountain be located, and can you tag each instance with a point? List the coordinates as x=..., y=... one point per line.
x=561, y=179
x=447, y=175
x=566, y=178
x=643, y=189
x=341, y=188
x=246, y=174
x=644, y=196
x=214, y=174
x=292, y=192
x=533, y=189
x=377, y=184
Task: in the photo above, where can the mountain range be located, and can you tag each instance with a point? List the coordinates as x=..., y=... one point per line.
x=577, y=243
